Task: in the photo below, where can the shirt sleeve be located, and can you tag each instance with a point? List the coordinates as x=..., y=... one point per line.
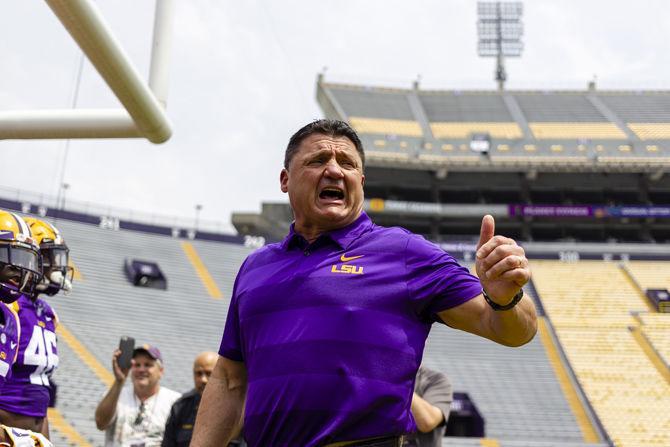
x=437, y=391
x=435, y=280
x=231, y=341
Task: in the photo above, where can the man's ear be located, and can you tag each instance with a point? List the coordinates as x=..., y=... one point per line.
x=362, y=179
x=283, y=180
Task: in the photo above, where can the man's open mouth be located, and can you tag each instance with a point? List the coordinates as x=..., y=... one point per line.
x=331, y=193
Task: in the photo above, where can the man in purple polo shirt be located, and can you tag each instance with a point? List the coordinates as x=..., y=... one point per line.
x=326, y=330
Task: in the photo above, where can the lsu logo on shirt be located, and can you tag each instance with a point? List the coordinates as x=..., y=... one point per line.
x=347, y=268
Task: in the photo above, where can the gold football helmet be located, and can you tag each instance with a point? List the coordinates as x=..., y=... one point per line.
x=56, y=270
x=20, y=260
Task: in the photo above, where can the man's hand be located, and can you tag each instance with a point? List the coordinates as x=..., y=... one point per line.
x=501, y=264
x=426, y=415
x=119, y=374
x=502, y=269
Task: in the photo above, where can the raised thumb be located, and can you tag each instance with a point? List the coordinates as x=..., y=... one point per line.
x=487, y=231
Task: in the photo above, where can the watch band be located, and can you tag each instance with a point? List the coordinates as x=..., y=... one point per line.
x=497, y=307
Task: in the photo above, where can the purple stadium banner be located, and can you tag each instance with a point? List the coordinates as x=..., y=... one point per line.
x=551, y=210
x=639, y=211
x=596, y=211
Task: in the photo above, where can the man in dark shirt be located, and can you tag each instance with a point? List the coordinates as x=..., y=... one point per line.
x=179, y=426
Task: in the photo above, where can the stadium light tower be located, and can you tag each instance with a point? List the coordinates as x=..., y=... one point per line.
x=500, y=29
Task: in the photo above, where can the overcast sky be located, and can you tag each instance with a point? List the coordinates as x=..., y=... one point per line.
x=243, y=80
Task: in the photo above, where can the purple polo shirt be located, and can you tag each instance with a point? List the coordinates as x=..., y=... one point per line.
x=332, y=333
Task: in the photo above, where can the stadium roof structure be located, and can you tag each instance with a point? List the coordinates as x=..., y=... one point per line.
x=573, y=131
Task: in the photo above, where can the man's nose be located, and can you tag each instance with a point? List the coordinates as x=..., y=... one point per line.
x=333, y=169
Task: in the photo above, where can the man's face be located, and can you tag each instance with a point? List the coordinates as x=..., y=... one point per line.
x=202, y=369
x=10, y=274
x=325, y=182
x=146, y=372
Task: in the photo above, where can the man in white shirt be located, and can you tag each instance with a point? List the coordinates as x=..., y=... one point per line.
x=135, y=416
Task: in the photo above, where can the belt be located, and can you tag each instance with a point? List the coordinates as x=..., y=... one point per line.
x=386, y=441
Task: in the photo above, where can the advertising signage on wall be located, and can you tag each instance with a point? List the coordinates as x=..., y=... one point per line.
x=398, y=207
x=595, y=211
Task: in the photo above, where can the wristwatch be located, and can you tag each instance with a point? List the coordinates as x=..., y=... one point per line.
x=497, y=307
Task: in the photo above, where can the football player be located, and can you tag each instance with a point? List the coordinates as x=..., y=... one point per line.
x=19, y=274
x=57, y=273
x=25, y=395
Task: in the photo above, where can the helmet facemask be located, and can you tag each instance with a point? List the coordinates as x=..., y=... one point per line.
x=56, y=269
x=20, y=270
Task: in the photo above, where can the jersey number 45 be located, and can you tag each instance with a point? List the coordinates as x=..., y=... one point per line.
x=40, y=353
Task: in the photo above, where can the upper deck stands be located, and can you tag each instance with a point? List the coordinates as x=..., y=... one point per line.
x=597, y=130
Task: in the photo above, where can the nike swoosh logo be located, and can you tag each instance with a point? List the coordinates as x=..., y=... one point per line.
x=350, y=258
x=13, y=345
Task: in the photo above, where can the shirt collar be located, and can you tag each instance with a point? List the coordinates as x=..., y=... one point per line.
x=342, y=236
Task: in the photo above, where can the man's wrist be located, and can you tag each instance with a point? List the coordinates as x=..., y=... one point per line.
x=500, y=307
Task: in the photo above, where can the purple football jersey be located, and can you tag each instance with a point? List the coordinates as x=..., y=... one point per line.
x=9, y=342
x=332, y=333
x=26, y=392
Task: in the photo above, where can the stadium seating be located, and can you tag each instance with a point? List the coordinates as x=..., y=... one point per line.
x=181, y=321
x=374, y=103
x=590, y=304
x=651, y=131
x=650, y=274
x=654, y=326
x=186, y=319
x=526, y=385
x=79, y=391
x=386, y=126
x=526, y=404
x=515, y=390
x=576, y=131
x=656, y=329
x=604, y=127
x=638, y=107
x=560, y=107
x=462, y=130
x=462, y=106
